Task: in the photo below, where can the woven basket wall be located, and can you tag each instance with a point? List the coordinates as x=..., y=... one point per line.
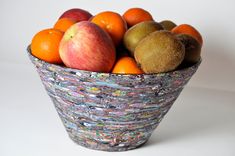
x=107, y=111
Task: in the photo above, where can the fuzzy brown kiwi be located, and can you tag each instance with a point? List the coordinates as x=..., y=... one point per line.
x=159, y=52
x=168, y=25
x=139, y=31
x=192, y=48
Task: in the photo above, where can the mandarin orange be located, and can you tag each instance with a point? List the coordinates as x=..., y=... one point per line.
x=126, y=65
x=189, y=30
x=45, y=45
x=134, y=16
x=64, y=23
x=112, y=23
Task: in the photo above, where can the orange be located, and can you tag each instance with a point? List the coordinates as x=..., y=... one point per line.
x=134, y=16
x=112, y=23
x=189, y=30
x=63, y=24
x=126, y=65
x=45, y=45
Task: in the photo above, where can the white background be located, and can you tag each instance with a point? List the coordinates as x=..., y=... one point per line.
x=201, y=121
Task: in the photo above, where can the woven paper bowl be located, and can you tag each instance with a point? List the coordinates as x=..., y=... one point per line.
x=111, y=112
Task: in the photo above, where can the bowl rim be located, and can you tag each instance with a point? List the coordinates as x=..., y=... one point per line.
x=32, y=57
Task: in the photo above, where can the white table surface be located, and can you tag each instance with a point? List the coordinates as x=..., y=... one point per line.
x=201, y=121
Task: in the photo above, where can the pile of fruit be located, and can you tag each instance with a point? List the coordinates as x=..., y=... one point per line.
x=129, y=44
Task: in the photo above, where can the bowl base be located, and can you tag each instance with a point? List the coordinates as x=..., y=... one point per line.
x=106, y=147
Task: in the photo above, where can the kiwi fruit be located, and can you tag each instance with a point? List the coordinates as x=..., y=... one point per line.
x=137, y=32
x=192, y=48
x=159, y=52
x=168, y=25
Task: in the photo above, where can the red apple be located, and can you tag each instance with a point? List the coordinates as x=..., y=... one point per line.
x=77, y=15
x=86, y=46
